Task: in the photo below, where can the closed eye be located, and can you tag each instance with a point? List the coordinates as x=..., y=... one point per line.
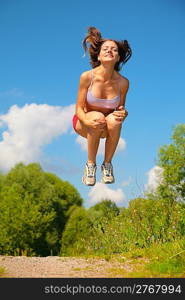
x=114, y=49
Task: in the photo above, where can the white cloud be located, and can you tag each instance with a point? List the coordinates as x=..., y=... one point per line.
x=83, y=143
x=101, y=192
x=154, y=178
x=29, y=128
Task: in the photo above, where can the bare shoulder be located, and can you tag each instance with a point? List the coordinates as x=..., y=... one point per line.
x=85, y=78
x=124, y=80
x=124, y=83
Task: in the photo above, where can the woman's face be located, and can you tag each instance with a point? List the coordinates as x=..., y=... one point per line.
x=109, y=52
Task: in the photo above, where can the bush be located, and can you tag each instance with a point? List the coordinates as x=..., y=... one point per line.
x=144, y=223
x=33, y=211
x=77, y=231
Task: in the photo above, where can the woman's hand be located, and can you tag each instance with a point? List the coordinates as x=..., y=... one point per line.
x=120, y=114
x=96, y=123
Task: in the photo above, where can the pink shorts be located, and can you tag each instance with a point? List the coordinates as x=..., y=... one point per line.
x=75, y=119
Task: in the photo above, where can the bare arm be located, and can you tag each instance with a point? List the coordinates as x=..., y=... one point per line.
x=82, y=94
x=122, y=111
x=124, y=91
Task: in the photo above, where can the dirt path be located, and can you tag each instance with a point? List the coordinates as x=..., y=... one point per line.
x=62, y=267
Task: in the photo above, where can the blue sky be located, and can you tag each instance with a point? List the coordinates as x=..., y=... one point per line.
x=41, y=59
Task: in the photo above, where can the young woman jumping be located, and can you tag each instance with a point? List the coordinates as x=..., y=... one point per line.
x=100, y=107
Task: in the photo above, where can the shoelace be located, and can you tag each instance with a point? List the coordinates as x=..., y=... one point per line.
x=90, y=170
x=108, y=169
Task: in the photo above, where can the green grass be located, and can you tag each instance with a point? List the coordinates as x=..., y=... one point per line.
x=168, y=268
x=163, y=260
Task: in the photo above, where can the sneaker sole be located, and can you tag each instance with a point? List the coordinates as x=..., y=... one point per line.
x=107, y=182
x=89, y=184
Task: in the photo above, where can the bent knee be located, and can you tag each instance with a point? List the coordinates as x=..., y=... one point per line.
x=112, y=123
x=95, y=115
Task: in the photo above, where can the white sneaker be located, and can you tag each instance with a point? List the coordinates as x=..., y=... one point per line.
x=89, y=177
x=107, y=173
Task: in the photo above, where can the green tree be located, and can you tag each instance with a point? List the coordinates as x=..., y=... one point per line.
x=1, y=180
x=77, y=231
x=33, y=211
x=105, y=208
x=172, y=160
x=86, y=229
x=102, y=212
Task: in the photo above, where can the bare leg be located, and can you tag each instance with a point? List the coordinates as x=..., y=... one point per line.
x=114, y=130
x=93, y=140
x=93, y=135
